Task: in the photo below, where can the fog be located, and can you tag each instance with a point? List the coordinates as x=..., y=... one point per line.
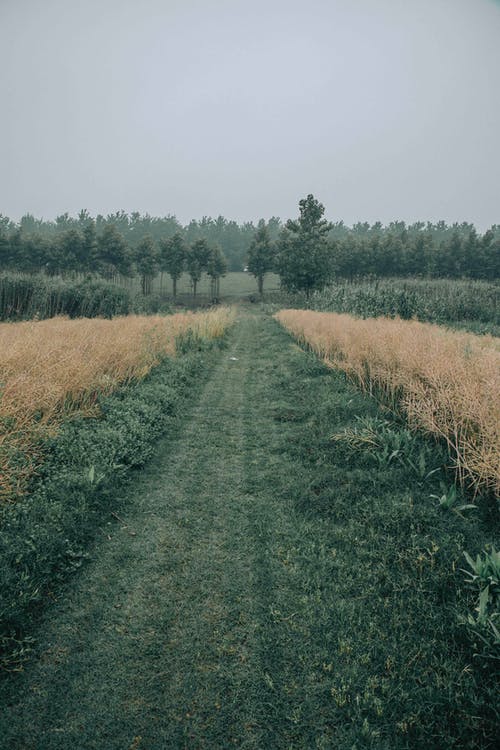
x=382, y=109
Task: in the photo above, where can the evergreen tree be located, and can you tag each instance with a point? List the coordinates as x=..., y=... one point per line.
x=304, y=260
x=70, y=250
x=261, y=255
x=173, y=252
x=114, y=253
x=216, y=267
x=490, y=255
x=90, y=248
x=197, y=261
x=147, y=262
x=4, y=249
x=471, y=256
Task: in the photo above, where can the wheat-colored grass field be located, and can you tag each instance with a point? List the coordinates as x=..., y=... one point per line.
x=53, y=368
x=447, y=382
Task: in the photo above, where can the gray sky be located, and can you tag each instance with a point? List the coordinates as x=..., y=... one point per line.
x=384, y=109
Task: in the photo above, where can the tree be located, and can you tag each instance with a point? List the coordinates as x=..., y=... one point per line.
x=146, y=261
x=216, y=267
x=261, y=255
x=490, y=255
x=4, y=249
x=173, y=253
x=70, y=250
x=114, y=253
x=90, y=248
x=197, y=260
x=304, y=255
x=418, y=255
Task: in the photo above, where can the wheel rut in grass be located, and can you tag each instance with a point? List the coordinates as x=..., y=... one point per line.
x=167, y=638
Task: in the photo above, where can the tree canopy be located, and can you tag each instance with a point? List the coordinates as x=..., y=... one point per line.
x=304, y=259
x=261, y=255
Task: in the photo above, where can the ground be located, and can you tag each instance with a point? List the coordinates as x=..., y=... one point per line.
x=233, y=284
x=217, y=610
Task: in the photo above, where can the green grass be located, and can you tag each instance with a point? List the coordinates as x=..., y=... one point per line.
x=265, y=586
x=233, y=284
x=44, y=535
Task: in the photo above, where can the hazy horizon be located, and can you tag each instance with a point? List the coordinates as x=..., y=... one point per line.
x=384, y=111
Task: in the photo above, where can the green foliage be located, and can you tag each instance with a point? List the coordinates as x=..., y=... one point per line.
x=304, y=259
x=483, y=626
x=261, y=255
x=114, y=253
x=83, y=244
x=147, y=262
x=270, y=561
x=44, y=536
x=197, y=260
x=435, y=301
x=150, y=304
x=449, y=499
x=432, y=250
x=216, y=267
x=173, y=252
x=391, y=443
x=393, y=646
x=25, y=297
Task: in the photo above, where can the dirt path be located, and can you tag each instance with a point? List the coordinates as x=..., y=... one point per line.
x=182, y=630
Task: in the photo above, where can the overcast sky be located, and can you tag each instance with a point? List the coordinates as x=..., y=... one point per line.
x=384, y=109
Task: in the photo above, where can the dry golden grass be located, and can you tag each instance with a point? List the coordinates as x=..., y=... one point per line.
x=447, y=382
x=52, y=368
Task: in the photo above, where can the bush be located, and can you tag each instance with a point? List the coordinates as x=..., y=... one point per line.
x=24, y=297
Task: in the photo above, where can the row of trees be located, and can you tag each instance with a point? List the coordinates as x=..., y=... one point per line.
x=84, y=252
x=308, y=255
x=232, y=238
x=121, y=244
x=174, y=256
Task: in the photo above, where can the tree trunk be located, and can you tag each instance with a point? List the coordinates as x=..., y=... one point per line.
x=260, y=282
x=174, y=285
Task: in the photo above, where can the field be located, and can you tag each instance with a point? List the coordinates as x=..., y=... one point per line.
x=445, y=383
x=233, y=284
x=241, y=529
x=52, y=369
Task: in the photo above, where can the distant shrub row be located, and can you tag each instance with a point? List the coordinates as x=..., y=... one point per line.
x=23, y=297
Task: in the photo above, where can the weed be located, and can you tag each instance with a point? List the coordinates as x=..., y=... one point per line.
x=448, y=500
x=484, y=578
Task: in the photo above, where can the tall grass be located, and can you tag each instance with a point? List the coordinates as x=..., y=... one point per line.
x=431, y=300
x=446, y=382
x=24, y=297
x=54, y=368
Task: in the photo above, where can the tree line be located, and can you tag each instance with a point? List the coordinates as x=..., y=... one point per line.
x=311, y=252
x=108, y=255
x=122, y=244
x=41, y=245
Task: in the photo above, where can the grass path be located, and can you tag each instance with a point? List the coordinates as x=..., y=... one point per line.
x=215, y=612
x=168, y=639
